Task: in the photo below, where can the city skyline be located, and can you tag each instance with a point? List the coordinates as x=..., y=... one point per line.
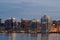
x=29, y=9
x=11, y=25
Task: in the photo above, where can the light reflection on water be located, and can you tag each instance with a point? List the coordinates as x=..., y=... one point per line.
x=26, y=36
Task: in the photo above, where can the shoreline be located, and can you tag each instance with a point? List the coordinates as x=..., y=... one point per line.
x=30, y=32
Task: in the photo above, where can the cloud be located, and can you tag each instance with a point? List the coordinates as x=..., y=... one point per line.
x=30, y=8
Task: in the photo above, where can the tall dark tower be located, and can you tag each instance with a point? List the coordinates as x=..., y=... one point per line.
x=45, y=23
x=0, y=21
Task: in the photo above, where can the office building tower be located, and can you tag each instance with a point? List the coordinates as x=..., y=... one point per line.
x=46, y=22
x=10, y=23
x=25, y=24
x=34, y=24
x=0, y=21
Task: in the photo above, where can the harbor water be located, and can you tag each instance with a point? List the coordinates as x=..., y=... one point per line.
x=27, y=36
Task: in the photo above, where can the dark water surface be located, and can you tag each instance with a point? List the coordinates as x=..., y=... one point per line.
x=26, y=36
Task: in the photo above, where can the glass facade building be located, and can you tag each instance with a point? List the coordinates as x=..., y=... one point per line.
x=10, y=23
x=46, y=22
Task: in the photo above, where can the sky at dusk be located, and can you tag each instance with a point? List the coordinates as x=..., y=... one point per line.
x=29, y=9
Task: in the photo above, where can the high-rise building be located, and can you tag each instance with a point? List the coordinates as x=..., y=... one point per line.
x=34, y=24
x=46, y=22
x=0, y=21
x=13, y=20
x=25, y=24
x=10, y=23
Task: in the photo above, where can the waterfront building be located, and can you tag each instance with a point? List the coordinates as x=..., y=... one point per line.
x=18, y=27
x=46, y=22
x=58, y=26
x=2, y=28
x=10, y=23
x=0, y=20
x=55, y=23
x=25, y=24
x=34, y=24
x=18, y=24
